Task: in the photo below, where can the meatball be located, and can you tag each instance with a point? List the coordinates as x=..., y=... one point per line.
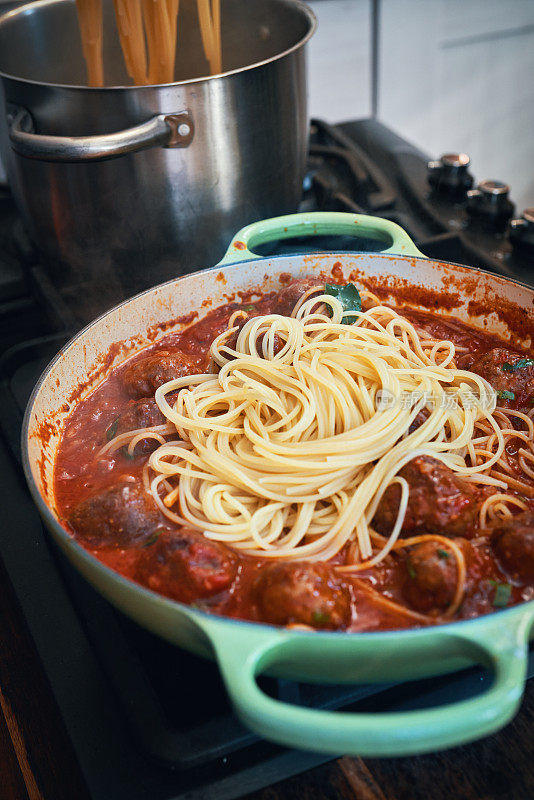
x=508, y=371
x=440, y=501
x=143, y=413
x=289, y=296
x=302, y=593
x=123, y=514
x=186, y=566
x=431, y=577
x=513, y=544
x=142, y=378
x=420, y=418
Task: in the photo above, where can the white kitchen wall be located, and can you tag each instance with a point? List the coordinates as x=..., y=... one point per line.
x=458, y=75
x=340, y=60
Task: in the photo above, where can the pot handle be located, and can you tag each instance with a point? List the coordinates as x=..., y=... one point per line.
x=242, y=657
x=165, y=130
x=319, y=223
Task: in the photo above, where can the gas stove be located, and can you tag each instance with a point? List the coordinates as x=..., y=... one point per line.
x=366, y=168
x=146, y=719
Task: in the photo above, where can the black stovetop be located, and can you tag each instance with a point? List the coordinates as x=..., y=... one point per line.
x=148, y=720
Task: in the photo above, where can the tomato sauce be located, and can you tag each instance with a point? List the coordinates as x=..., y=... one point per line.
x=80, y=474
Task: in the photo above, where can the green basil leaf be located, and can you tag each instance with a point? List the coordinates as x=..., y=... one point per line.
x=504, y=394
x=153, y=538
x=443, y=554
x=348, y=296
x=126, y=454
x=410, y=567
x=502, y=595
x=521, y=364
x=112, y=430
x=250, y=307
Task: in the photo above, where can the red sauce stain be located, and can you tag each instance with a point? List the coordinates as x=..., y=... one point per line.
x=404, y=291
x=220, y=277
x=285, y=278
x=337, y=272
x=100, y=368
x=154, y=330
x=41, y=465
x=240, y=246
x=45, y=431
x=247, y=295
x=459, y=283
x=518, y=320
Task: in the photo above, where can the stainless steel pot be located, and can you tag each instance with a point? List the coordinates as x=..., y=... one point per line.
x=125, y=186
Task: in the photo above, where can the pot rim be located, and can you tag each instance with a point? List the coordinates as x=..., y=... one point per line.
x=525, y=608
x=30, y=7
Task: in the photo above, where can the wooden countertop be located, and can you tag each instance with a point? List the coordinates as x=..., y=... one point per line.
x=37, y=761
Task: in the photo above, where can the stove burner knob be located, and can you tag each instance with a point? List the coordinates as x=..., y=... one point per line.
x=450, y=174
x=490, y=201
x=521, y=231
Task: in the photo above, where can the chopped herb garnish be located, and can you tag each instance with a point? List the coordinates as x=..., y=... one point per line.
x=410, y=568
x=112, y=430
x=153, y=538
x=126, y=454
x=521, y=364
x=502, y=595
x=320, y=618
x=250, y=307
x=443, y=554
x=504, y=394
x=348, y=296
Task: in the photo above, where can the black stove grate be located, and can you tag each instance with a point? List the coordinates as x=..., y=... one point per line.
x=148, y=720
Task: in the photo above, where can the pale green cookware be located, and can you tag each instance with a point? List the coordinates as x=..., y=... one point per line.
x=243, y=650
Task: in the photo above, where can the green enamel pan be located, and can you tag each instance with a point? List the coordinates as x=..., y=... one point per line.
x=245, y=650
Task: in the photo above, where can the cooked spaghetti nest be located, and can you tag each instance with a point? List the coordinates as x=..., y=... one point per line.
x=286, y=450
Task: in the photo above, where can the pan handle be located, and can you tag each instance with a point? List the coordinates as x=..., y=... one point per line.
x=499, y=644
x=319, y=223
x=164, y=130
